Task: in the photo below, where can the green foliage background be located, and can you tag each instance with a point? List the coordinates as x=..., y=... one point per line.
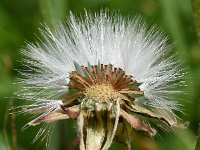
x=19, y=22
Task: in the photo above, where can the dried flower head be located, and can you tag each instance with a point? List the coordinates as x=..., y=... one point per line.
x=110, y=74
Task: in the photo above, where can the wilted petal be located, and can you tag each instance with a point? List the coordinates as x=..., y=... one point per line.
x=50, y=117
x=64, y=113
x=72, y=113
x=137, y=124
x=112, y=127
x=150, y=114
x=80, y=123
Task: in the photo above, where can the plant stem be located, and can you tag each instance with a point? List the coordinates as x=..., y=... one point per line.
x=198, y=140
x=196, y=11
x=14, y=131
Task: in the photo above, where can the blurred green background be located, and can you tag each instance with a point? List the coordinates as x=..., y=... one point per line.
x=19, y=22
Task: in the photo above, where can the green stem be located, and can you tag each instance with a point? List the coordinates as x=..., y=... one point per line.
x=196, y=11
x=198, y=140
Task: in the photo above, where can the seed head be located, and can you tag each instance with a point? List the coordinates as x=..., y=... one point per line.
x=109, y=74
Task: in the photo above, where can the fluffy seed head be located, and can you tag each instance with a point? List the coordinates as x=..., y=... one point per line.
x=109, y=65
